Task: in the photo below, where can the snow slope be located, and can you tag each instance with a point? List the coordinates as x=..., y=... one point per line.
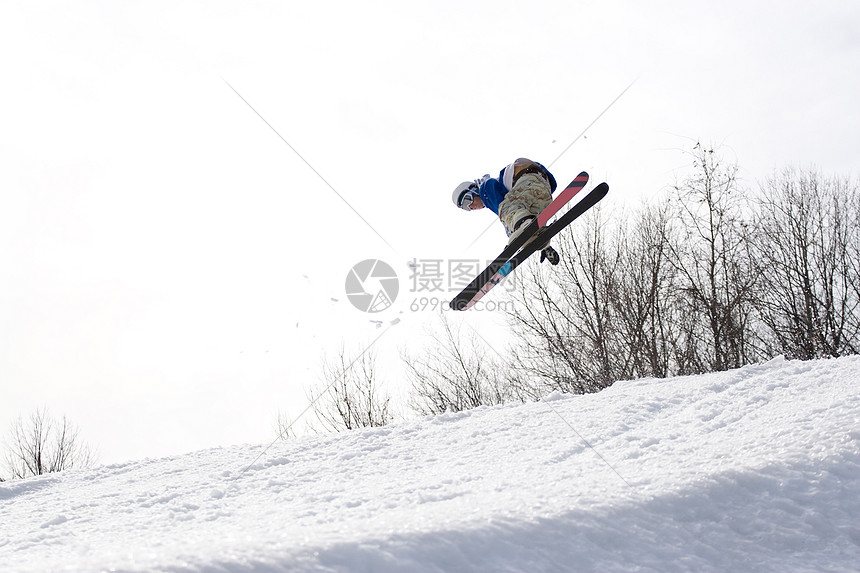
x=756, y=469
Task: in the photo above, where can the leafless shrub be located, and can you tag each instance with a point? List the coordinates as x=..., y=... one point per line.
x=457, y=373
x=351, y=394
x=284, y=426
x=41, y=445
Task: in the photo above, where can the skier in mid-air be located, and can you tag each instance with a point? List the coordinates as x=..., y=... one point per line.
x=521, y=191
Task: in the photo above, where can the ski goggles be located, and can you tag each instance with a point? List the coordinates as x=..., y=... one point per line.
x=467, y=196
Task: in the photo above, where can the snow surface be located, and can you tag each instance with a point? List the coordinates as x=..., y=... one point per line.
x=756, y=469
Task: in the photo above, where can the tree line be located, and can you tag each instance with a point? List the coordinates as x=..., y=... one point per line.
x=708, y=277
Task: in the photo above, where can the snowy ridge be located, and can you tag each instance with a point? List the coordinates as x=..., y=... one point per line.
x=756, y=469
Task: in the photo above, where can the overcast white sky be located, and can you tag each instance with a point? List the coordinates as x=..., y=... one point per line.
x=169, y=264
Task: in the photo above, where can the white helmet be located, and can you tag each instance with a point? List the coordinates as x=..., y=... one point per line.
x=466, y=189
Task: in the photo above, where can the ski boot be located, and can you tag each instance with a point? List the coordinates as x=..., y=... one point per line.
x=519, y=227
x=550, y=254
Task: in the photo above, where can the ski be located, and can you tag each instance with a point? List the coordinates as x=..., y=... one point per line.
x=533, y=227
x=590, y=200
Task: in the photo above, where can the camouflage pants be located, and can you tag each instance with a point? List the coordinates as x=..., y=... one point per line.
x=529, y=196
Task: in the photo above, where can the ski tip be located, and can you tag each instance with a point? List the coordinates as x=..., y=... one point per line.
x=580, y=180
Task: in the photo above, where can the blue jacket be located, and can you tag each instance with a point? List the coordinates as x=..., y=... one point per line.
x=492, y=190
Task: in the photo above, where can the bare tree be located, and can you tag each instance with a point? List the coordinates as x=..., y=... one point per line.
x=710, y=252
x=351, y=395
x=646, y=315
x=42, y=445
x=807, y=253
x=457, y=373
x=608, y=312
x=567, y=338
